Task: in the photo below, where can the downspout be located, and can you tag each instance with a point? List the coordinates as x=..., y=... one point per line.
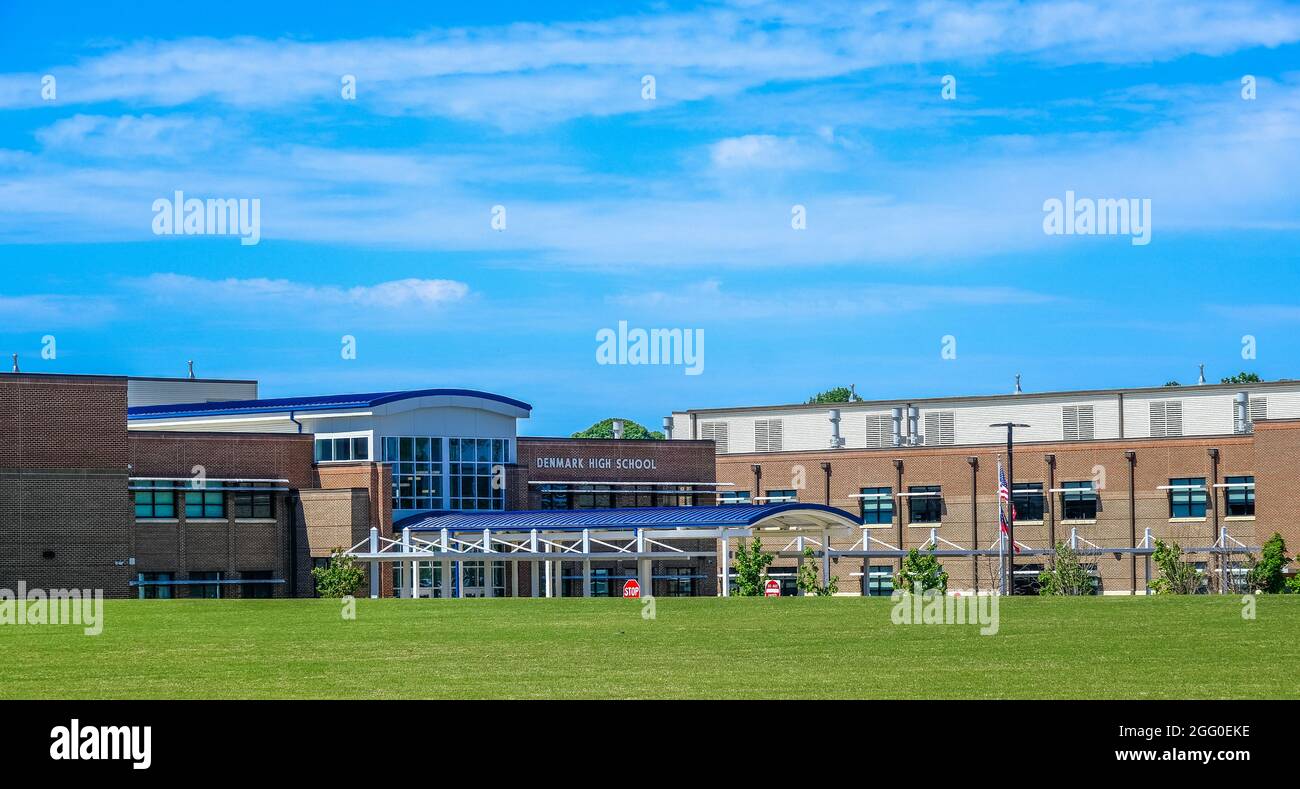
x=1051, y=500
x=898, y=517
x=974, y=520
x=826, y=469
x=295, y=421
x=1132, y=519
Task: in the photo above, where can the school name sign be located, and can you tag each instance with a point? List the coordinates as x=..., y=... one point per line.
x=597, y=463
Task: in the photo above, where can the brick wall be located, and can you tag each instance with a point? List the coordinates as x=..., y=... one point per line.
x=64, y=517
x=1270, y=456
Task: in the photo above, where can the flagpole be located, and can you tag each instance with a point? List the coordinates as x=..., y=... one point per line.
x=1011, y=503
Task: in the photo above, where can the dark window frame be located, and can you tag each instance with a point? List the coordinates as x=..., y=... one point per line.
x=930, y=507
x=1187, y=503
x=1083, y=502
x=879, y=508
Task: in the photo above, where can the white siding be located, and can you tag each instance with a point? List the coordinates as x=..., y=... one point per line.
x=144, y=391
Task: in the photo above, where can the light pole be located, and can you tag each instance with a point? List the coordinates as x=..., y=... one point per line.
x=1011, y=496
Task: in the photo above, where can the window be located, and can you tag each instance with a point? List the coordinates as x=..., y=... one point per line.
x=879, y=581
x=767, y=435
x=416, y=462
x=342, y=448
x=474, y=486
x=154, y=498
x=1167, y=418
x=717, y=433
x=258, y=502
x=1240, y=495
x=151, y=592
x=1187, y=497
x=207, y=591
x=877, y=505
x=593, y=497
x=927, y=507
x=680, y=582
x=1077, y=422
x=939, y=428
x=781, y=496
x=1080, y=505
x=555, y=498
x=1027, y=498
x=205, y=500
x=880, y=431
x=256, y=591
x=733, y=497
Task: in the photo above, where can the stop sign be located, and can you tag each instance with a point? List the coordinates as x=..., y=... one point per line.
x=772, y=588
x=631, y=589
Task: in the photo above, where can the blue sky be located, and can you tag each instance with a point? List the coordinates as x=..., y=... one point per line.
x=924, y=215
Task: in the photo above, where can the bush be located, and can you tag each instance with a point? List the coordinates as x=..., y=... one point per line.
x=1267, y=574
x=751, y=569
x=341, y=578
x=806, y=579
x=1065, y=575
x=921, y=569
x=1176, y=575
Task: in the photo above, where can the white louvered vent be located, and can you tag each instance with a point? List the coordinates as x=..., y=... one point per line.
x=1258, y=408
x=717, y=431
x=880, y=431
x=1077, y=422
x=1167, y=418
x=767, y=435
x=939, y=428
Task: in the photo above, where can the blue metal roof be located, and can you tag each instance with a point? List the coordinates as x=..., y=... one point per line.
x=301, y=404
x=725, y=515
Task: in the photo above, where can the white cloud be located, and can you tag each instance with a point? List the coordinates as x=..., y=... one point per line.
x=257, y=292
x=49, y=312
x=763, y=151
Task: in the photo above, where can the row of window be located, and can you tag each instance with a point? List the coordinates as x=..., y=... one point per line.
x=158, y=499
x=1187, y=499
x=586, y=497
x=158, y=586
x=475, y=472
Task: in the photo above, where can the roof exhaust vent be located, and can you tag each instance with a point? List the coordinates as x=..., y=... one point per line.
x=191, y=364
x=1018, y=389
x=618, y=428
x=15, y=362
x=668, y=428
x=837, y=441
x=1201, y=380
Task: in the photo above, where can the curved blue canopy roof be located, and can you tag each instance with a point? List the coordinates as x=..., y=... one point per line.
x=311, y=403
x=711, y=517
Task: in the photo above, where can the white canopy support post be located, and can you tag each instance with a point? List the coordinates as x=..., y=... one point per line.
x=374, y=563
x=489, y=566
x=1223, y=560
x=826, y=558
x=643, y=566
x=586, y=563
x=934, y=538
x=1146, y=561
x=1074, y=538
x=724, y=562
x=533, y=580
x=460, y=578
x=550, y=575
x=514, y=578
x=412, y=580
x=446, y=565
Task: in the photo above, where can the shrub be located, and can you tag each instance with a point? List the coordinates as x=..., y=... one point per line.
x=751, y=569
x=806, y=579
x=921, y=569
x=340, y=578
x=1065, y=575
x=1176, y=575
x=1267, y=574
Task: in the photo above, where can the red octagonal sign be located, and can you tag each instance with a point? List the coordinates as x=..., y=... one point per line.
x=632, y=589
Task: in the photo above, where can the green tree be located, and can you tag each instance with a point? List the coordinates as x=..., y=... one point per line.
x=1176, y=575
x=751, y=568
x=1242, y=378
x=605, y=429
x=1268, y=574
x=921, y=569
x=1066, y=575
x=340, y=578
x=840, y=394
x=806, y=578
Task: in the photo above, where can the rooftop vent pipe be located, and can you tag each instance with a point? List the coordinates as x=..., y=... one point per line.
x=1241, y=413
x=668, y=427
x=836, y=440
x=191, y=365
x=15, y=362
x=618, y=428
x=897, y=416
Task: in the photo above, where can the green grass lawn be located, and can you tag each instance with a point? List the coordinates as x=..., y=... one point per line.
x=1112, y=648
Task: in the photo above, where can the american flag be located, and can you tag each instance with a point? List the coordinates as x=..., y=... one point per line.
x=1004, y=494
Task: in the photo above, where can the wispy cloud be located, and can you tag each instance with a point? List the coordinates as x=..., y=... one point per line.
x=48, y=312
x=257, y=293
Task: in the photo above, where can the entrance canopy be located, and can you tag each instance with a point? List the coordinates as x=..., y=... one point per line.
x=753, y=517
